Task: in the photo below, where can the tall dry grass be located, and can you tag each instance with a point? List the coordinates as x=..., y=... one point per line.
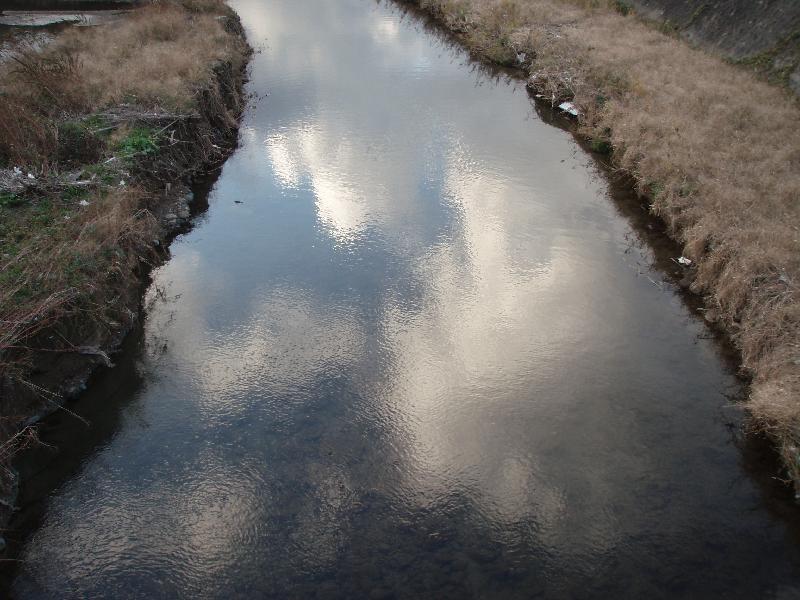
x=157, y=58
x=715, y=148
x=69, y=250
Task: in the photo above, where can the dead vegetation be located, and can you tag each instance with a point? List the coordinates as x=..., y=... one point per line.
x=91, y=128
x=714, y=148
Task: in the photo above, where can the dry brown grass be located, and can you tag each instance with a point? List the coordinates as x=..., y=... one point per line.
x=715, y=148
x=69, y=250
x=65, y=260
x=157, y=57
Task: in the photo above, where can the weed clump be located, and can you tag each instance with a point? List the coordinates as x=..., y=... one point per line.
x=137, y=142
x=622, y=7
x=77, y=144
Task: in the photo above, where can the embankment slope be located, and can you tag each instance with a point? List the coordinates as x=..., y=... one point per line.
x=713, y=147
x=100, y=132
x=762, y=33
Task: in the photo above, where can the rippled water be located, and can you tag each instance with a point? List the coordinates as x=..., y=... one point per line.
x=412, y=349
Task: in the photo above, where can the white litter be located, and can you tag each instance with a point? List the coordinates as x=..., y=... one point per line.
x=31, y=176
x=684, y=261
x=569, y=107
x=121, y=183
x=521, y=57
x=84, y=203
x=17, y=171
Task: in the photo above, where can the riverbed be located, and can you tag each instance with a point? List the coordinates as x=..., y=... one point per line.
x=416, y=344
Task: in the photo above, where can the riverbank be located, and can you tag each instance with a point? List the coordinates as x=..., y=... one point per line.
x=711, y=147
x=101, y=134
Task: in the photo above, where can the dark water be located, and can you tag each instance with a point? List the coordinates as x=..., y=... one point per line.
x=412, y=349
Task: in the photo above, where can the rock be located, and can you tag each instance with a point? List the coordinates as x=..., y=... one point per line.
x=570, y=108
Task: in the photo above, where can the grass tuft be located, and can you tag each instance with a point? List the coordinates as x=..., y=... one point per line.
x=138, y=141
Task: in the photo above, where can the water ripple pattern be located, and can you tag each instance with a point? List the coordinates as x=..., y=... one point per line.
x=411, y=350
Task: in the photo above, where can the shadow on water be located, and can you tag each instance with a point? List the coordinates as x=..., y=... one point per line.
x=67, y=441
x=315, y=448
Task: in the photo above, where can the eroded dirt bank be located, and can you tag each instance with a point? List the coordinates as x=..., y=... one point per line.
x=711, y=146
x=94, y=188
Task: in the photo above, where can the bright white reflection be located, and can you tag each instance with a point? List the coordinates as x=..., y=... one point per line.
x=288, y=341
x=385, y=30
x=281, y=161
x=505, y=262
x=340, y=207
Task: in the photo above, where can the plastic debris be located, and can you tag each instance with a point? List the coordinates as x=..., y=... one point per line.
x=84, y=203
x=121, y=183
x=521, y=57
x=684, y=261
x=569, y=107
x=31, y=176
x=17, y=171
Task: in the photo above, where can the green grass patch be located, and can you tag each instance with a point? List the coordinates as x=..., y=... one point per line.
x=622, y=7
x=601, y=146
x=102, y=172
x=10, y=200
x=655, y=189
x=138, y=141
x=95, y=122
x=74, y=194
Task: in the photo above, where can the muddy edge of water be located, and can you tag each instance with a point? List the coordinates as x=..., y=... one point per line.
x=629, y=202
x=757, y=458
x=69, y=374
x=652, y=231
x=771, y=425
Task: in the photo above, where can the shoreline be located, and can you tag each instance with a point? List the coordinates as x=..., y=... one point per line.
x=57, y=374
x=745, y=277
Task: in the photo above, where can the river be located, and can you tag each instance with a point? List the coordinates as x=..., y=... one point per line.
x=415, y=346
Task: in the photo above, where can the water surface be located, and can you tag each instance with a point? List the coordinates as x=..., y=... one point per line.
x=412, y=349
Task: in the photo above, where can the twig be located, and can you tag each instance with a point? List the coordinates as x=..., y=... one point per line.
x=44, y=393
